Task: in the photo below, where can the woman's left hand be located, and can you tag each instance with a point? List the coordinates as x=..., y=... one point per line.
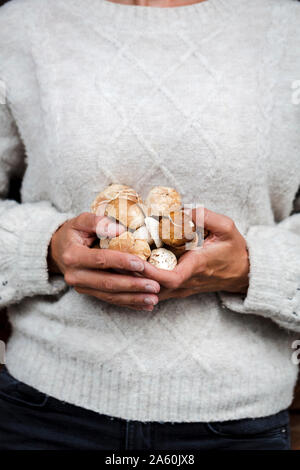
x=220, y=264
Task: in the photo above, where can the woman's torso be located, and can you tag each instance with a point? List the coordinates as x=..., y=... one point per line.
x=204, y=106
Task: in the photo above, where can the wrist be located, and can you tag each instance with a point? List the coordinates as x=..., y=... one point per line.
x=241, y=283
x=52, y=266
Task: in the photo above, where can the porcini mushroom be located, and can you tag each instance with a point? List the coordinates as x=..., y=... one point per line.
x=162, y=200
x=143, y=233
x=163, y=259
x=104, y=242
x=180, y=250
x=153, y=228
x=128, y=244
x=142, y=249
x=111, y=192
x=177, y=229
x=126, y=212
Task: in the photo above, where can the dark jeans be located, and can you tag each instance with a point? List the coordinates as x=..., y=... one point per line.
x=31, y=420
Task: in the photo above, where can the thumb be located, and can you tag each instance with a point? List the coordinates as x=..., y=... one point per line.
x=87, y=222
x=108, y=228
x=98, y=225
x=211, y=221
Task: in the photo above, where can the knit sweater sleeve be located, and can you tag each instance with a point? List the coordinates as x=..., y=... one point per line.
x=274, y=278
x=25, y=229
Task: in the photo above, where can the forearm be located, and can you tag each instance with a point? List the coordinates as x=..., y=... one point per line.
x=274, y=277
x=25, y=234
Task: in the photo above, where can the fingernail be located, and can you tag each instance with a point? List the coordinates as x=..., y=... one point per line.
x=150, y=301
x=150, y=288
x=137, y=265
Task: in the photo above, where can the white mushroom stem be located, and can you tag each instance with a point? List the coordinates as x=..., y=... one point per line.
x=127, y=244
x=153, y=227
x=162, y=200
x=143, y=233
x=125, y=211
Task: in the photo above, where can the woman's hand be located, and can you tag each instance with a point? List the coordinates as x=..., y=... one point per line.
x=221, y=263
x=88, y=269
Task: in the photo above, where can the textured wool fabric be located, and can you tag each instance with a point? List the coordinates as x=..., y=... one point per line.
x=200, y=97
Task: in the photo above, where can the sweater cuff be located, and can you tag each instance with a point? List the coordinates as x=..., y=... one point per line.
x=273, y=278
x=33, y=276
x=25, y=259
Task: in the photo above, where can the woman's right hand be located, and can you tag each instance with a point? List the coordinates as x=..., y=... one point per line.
x=88, y=269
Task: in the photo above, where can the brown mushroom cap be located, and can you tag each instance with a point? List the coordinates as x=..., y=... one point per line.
x=142, y=249
x=177, y=229
x=180, y=250
x=104, y=242
x=109, y=193
x=162, y=200
x=126, y=212
x=128, y=244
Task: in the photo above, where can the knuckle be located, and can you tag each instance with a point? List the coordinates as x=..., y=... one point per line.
x=123, y=263
x=70, y=278
x=109, y=298
x=210, y=272
x=81, y=217
x=228, y=225
x=178, y=280
x=133, y=285
x=174, y=283
x=169, y=285
x=177, y=283
x=202, y=267
x=101, y=259
x=68, y=257
x=108, y=285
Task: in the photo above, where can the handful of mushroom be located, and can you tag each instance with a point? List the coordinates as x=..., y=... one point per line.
x=157, y=230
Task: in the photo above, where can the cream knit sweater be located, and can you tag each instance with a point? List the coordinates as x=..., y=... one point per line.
x=204, y=98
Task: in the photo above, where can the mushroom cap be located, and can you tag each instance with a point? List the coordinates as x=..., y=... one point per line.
x=180, y=250
x=111, y=192
x=163, y=259
x=104, y=242
x=123, y=242
x=128, y=244
x=142, y=249
x=177, y=229
x=125, y=211
x=162, y=200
